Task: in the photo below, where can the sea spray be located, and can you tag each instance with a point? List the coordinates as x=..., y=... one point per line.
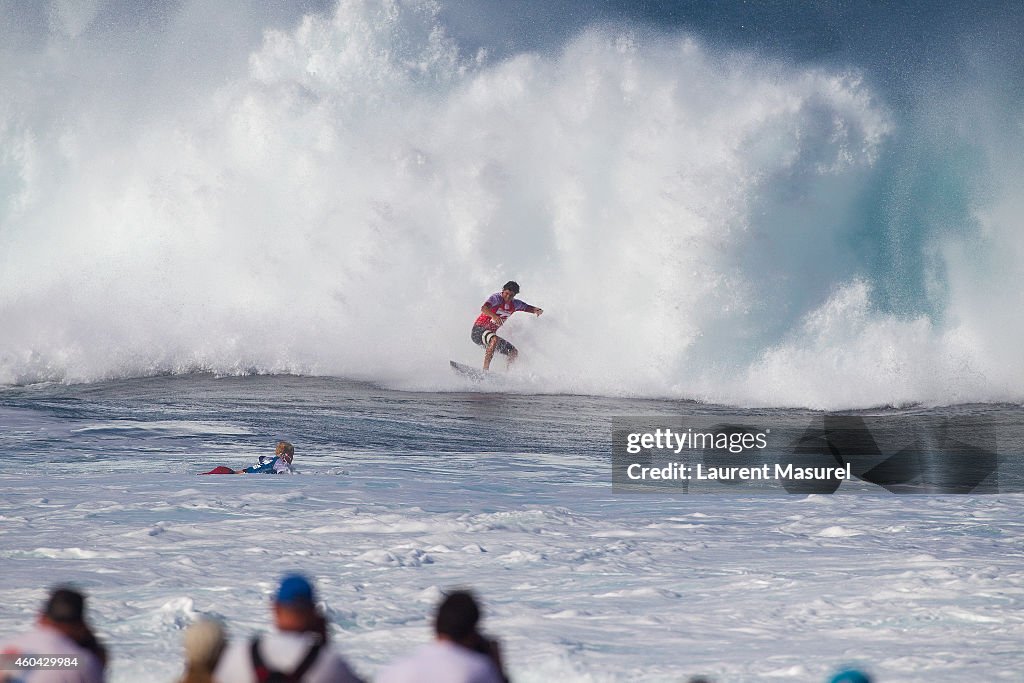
x=683, y=213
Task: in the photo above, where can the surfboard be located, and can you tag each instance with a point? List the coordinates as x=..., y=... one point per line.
x=466, y=371
x=220, y=470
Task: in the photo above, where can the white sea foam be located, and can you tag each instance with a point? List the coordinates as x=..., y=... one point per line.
x=722, y=598
x=341, y=197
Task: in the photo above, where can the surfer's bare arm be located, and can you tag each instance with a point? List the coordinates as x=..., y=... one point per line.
x=486, y=310
x=532, y=309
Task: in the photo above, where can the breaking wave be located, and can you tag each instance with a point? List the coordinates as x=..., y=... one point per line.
x=696, y=221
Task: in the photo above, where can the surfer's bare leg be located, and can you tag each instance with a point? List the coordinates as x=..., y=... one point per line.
x=489, y=352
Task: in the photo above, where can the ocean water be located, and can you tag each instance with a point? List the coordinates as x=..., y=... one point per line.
x=225, y=224
x=401, y=495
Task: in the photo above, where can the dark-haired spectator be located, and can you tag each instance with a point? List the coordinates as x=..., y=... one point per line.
x=297, y=651
x=459, y=653
x=61, y=632
x=204, y=643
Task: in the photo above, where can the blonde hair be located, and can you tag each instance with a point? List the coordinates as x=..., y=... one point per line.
x=286, y=449
x=204, y=643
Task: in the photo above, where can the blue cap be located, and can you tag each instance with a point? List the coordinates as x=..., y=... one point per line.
x=850, y=676
x=295, y=589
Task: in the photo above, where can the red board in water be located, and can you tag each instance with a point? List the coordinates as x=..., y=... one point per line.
x=220, y=470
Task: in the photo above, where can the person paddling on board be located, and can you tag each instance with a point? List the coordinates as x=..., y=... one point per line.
x=281, y=463
x=493, y=314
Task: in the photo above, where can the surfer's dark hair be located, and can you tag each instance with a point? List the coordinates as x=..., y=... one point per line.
x=512, y=286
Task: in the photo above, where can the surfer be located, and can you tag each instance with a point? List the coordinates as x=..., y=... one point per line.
x=493, y=314
x=281, y=463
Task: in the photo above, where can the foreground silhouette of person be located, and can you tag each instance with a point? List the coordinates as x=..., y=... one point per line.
x=204, y=643
x=61, y=632
x=458, y=654
x=297, y=651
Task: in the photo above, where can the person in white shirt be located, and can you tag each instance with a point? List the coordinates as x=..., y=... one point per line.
x=459, y=653
x=298, y=649
x=63, y=639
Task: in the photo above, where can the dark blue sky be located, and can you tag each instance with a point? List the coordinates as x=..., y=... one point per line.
x=898, y=44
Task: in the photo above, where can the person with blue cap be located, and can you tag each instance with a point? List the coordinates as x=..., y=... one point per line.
x=297, y=651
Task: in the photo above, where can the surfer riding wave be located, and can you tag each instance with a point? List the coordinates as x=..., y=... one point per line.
x=493, y=314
